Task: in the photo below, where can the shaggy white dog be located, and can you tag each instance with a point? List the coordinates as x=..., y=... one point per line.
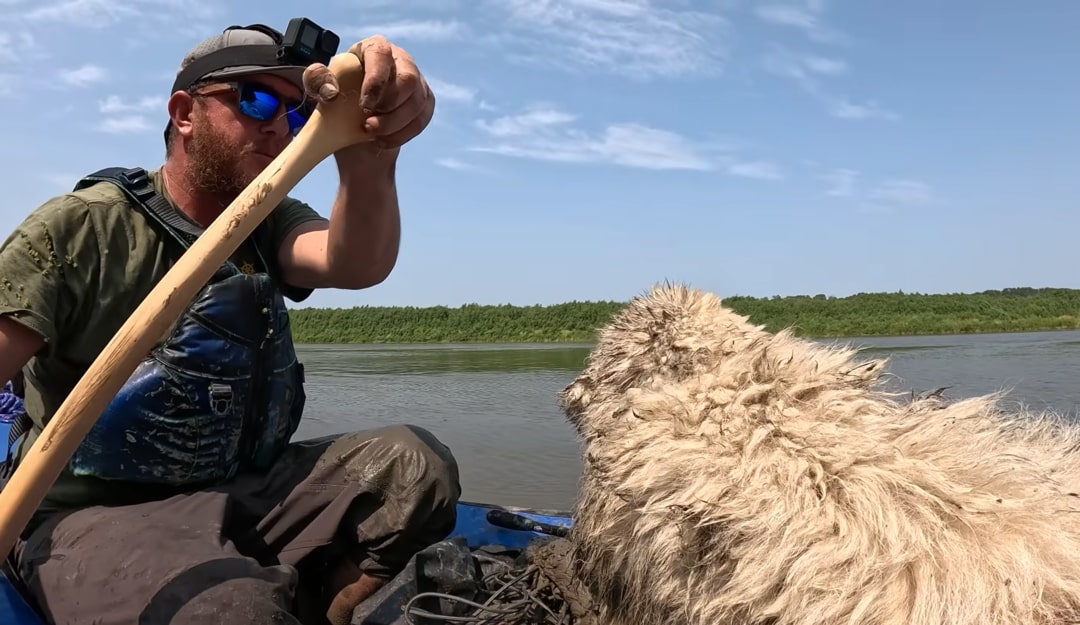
x=734, y=476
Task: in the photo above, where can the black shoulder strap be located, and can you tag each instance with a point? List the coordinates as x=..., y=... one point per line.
x=135, y=182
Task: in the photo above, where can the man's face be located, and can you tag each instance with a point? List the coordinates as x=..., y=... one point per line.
x=228, y=149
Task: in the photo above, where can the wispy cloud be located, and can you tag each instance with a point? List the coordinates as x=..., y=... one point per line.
x=414, y=30
x=448, y=91
x=104, y=13
x=806, y=17
x=83, y=76
x=13, y=46
x=116, y=104
x=88, y=13
x=536, y=119
x=126, y=124
x=842, y=182
x=808, y=72
x=640, y=39
x=459, y=165
x=635, y=38
x=191, y=9
x=546, y=133
x=125, y=116
x=904, y=192
x=823, y=65
x=885, y=196
x=845, y=109
x=759, y=170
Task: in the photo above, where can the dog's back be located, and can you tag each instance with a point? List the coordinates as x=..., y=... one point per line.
x=738, y=476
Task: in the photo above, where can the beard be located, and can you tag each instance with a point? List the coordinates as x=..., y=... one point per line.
x=216, y=164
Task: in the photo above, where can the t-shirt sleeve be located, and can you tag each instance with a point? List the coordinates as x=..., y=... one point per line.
x=47, y=266
x=286, y=217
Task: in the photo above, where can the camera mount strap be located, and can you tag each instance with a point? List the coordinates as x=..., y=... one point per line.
x=261, y=55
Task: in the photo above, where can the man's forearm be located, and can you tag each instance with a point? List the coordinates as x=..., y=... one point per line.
x=365, y=225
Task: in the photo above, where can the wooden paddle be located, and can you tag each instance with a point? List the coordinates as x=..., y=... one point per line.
x=334, y=125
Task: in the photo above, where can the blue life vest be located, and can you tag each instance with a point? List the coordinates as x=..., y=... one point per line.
x=221, y=394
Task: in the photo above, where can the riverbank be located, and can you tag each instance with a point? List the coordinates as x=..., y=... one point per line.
x=864, y=314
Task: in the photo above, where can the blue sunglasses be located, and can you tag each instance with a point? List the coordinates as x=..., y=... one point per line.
x=263, y=104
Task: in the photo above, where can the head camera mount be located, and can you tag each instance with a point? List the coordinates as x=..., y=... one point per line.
x=307, y=42
x=303, y=43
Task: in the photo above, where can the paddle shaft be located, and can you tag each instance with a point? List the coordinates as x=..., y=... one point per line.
x=334, y=125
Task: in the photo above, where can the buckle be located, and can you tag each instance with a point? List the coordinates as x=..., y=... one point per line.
x=138, y=181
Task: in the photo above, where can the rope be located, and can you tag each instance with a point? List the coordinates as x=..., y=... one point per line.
x=505, y=597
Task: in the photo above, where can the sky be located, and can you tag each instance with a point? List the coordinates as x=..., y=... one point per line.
x=589, y=149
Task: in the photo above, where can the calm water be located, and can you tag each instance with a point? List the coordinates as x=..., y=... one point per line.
x=494, y=405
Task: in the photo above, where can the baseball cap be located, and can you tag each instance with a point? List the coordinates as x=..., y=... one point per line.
x=238, y=51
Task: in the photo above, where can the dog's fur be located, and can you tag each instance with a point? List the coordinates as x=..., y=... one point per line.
x=735, y=476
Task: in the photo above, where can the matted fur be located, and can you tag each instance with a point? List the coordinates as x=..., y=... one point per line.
x=735, y=476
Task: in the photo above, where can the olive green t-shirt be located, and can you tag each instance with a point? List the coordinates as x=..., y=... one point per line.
x=74, y=271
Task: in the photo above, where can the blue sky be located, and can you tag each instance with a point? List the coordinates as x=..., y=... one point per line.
x=587, y=149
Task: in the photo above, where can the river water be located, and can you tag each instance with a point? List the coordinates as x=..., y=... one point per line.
x=494, y=405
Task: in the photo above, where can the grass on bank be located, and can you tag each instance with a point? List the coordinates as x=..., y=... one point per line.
x=864, y=314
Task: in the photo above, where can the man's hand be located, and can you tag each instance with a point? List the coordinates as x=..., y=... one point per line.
x=397, y=102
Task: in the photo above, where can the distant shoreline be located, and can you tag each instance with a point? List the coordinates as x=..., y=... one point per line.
x=861, y=315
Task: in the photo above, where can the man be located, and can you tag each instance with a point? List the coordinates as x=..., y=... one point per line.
x=186, y=503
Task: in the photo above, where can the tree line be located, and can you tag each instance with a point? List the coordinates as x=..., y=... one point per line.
x=819, y=316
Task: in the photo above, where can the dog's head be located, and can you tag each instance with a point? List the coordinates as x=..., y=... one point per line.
x=675, y=337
